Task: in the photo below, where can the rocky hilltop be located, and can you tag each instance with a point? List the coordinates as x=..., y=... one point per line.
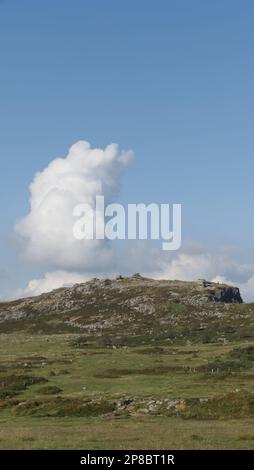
x=132, y=309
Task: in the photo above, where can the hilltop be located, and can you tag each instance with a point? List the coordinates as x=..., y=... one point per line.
x=129, y=310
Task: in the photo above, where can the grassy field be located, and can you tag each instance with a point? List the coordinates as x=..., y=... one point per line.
x=59, y=392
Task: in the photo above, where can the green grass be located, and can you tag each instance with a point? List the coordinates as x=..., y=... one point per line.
x=179, y=396
x=128, y=433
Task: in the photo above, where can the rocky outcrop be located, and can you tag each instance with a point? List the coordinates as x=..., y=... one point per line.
x=226, y=294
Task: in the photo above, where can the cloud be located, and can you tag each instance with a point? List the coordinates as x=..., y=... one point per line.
x=47, y=237
x=247, y=289
x=187, y=265
x=47, y=231
x=50, y=281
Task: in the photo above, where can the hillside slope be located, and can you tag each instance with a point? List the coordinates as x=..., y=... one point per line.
x=133, y=310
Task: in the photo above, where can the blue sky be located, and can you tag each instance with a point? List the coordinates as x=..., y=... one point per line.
x=172, y=80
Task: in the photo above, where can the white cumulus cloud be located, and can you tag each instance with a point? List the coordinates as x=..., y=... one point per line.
x=50, y=281
x=47, y=231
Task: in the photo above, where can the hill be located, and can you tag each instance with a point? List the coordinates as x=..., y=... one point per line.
x=133, y=310
x=128, y=363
